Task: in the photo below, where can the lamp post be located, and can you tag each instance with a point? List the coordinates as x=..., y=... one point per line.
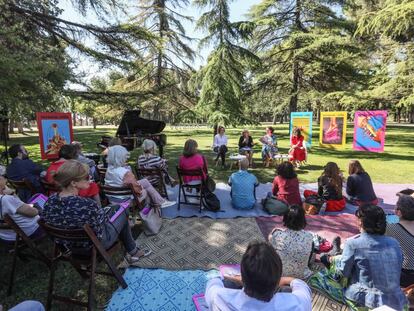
x=4, y=124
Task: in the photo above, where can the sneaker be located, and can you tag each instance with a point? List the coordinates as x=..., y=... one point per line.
x=168, y=203
x=140, y=254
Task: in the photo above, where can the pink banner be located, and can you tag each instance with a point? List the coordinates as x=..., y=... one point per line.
x=369, y=130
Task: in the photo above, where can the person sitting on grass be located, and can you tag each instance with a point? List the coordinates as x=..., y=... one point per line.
x=243, y=186
x=67, y=210
x=367, y=274
x=192, y=160
x=286, y=185
x=21, y=167
x=403, y=232
x=69, y=152
x=24, y=215
x=330, y=188
x=261, y=280
x=119, y=174
x=149, y=160
x=359, y=186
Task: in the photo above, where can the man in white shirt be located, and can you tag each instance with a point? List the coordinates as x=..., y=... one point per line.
x=23, y=214
x=261, y=270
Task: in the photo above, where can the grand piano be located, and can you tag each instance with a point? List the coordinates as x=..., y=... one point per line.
x=133, y=130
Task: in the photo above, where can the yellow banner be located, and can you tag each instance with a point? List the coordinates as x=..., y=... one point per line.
x=332, y=132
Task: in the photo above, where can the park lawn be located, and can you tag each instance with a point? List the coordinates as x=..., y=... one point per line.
x=395, y=165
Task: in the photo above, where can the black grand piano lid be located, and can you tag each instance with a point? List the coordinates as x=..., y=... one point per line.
x=132, y=124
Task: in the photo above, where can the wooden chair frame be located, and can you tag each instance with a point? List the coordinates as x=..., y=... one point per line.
x=182, y=186
x=84, y=264
x=102, y=172
x=22, y=243
x=23, y=184
x=144, y=172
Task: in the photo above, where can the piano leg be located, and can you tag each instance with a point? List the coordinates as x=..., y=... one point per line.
x=161, y=150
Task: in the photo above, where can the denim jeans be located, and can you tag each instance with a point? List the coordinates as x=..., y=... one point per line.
x=118, y=229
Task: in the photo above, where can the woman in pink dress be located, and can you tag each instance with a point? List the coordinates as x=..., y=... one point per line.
x=297, y=152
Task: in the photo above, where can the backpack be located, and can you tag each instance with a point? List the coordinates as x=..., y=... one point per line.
x=210, y=201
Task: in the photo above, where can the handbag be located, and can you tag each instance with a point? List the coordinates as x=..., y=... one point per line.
x=313, y=204
x=151, y=219
x=209, y=182
x=274, y=206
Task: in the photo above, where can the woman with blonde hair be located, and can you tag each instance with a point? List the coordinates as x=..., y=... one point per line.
x=192, y=160
x=119, y=174
x=359, y=186
x=150, y=160
x=67, y=210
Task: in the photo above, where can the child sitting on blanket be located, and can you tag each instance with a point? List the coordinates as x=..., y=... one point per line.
x=261, y=271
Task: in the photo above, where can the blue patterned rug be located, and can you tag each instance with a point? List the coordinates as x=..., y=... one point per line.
x=159, y=290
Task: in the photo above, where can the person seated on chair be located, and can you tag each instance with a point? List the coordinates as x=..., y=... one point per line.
x=330, y=188
x=359, y=186
x=24, y=215
x=286, y=185
x=21, y=167
x=269, y=147
x=246, y=146
x=119, y=174
x=150, y=160
x=403, y=232
x=81, y=158
x=67, y=210
x=260, y=282
x=297, y=152
x=367, y=274
x=220, y=145
x=243, y=186
x=192, y=160
x=69, y=152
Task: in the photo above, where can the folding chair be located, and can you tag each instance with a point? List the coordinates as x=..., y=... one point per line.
x=102, y=172
x=198, y=187
x=84, y=262
x=22, y=243
x=24, y=188
x=154, y=173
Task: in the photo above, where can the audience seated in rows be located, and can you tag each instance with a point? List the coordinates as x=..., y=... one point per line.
x=359, y=186
x=297, y=151
x=69, y=152
x=220, y=145
x=367, y=274
x=269, y=146
x=24, y=215
x=150, y=160
x=119, y=174
x=330, y=188
x=261, y=285
x=21, y=167
x=192, y=160
x=294, y=245
x=67, y=210
x=286, y=185
x=243, y=186
x=246, y=146
x=403, y=232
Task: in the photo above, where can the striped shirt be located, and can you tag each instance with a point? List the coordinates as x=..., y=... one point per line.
x=406, y=240
x=152, y=161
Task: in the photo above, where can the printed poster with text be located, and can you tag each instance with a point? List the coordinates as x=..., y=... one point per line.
x=332, y=133
x=55, y=130
x=369, y=130
x=303, y=121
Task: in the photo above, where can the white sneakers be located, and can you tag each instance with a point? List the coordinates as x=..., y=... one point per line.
x=133, y=259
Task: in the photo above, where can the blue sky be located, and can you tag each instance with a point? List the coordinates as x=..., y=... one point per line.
x=86, y=66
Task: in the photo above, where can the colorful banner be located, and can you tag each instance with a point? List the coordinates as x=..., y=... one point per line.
x=303, y=121
x=55, y=130
x=369, y=130
x=332, y=131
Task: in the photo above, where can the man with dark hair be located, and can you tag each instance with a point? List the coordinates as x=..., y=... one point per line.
x=21, y=167
x=261, y=271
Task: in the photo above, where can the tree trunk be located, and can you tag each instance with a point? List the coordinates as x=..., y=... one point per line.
x=11, y=126
x=95, y=123
x=215, y=129
x=274, y=118
x=412, y=115
x=74, y=119
x=399, y=115
x=293, y=102
x=20, y=127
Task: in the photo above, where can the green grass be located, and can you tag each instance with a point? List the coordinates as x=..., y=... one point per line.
x=395, y=165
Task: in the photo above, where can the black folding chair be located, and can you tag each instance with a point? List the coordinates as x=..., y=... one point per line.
x=198, y=187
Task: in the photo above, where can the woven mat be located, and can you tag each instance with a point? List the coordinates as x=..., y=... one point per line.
x=198, y=243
